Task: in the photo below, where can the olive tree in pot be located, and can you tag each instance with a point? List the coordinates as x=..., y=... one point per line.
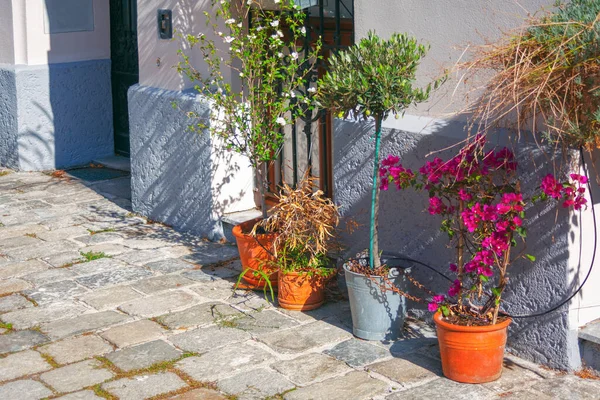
x=373, y=80
x=264, y=51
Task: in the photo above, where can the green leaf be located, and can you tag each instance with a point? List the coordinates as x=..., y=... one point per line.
x=530, y=257
x=445, y=311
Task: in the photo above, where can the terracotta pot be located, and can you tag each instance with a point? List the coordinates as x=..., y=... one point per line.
x=471, y=354
x=254, y=254
x=301, y=292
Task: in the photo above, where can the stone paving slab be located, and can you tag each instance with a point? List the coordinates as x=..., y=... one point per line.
x=13, y=285
x=309, y=368
x=21, y=340
x=52, y=292
x=14, y=302
x=357, y=353
x=82, y=324
x=111, y=278
x=98, y=266
x=143, y=355
x=203, y=339
x=25, y=363
x=83, y=395
x=76, y=376
x=144, y=386
x=24, y=390
x=19, y=269
x=170, y=265
x=30, y=317
x=199, y=394
x=201, y=314
x=409, y=370
x=75, y=349
x=110, y=298
x=304, y=337
x=49, y=276
x=161, y=283
x=256, y=384
x=133, y=333
x=353, y=386
x=160, y=304
x=223, y=362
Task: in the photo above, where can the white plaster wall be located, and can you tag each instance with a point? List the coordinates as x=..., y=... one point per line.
x=448, y=26
x=7, y=49
x=33, y=46
x=585, y=307
x=188, y=18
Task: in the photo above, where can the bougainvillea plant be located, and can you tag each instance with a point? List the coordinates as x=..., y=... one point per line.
x=256, y=79
x=479, y=198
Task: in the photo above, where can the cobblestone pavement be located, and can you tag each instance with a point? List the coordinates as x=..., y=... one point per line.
x=99, y=303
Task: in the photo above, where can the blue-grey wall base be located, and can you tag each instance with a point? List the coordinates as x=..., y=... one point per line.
x=171, y=167
x=55, y=116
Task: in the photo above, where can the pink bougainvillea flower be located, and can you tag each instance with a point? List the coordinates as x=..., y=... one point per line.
x=439, y=298
x=436, y=206
x=464, y=195
x=432, y=307
x=390, y=160
x=453, y=267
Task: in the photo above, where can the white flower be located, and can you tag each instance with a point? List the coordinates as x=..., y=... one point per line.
x=303, y=30
x=294, y=55
x=274, y=24
x=277, y=1
x=220, y=33
x=249, y=2
x=312, y=90
x=280, y=34
x=230, y=21
x=281, y=121
x=280, y=55
x=240, y=25
x=241, y=74
x=229, y=39
x=260, y=28
x=293, y=95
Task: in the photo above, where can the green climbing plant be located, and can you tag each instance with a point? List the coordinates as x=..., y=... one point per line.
x=256, y=79
x=375, y=79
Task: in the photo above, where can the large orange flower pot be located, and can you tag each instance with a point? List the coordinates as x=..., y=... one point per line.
x=471, y=354
x=301, y=292
x=255, y=254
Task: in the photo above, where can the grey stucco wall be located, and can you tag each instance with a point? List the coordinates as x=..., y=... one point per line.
x=8, y=118
x=63, y=115
x=405, y=226
x=171, y=167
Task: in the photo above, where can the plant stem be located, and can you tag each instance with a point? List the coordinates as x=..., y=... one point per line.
x=262, y=182
x=375, y=262
x=460, y=250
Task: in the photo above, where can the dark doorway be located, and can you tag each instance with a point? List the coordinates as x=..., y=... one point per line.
x=125, y=69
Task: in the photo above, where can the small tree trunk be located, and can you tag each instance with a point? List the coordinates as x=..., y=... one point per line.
x=460, y=250
x=262, y=183
x=375, y=261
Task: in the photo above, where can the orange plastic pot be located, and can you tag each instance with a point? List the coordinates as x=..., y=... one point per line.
x=471, y=354
x=300, y=292
x=254, y=254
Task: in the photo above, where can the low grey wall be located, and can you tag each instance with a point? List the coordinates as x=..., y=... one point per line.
x=171, y=168
x=405, y=226
x=63, y=115
x=8, y=118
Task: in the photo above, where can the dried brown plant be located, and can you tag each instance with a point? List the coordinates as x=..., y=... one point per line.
x=546, y=78
x=304, y=219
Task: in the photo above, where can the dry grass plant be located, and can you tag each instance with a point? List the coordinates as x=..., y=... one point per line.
x=546, y=78
x=305, y=221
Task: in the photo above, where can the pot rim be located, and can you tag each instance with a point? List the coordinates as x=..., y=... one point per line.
x=437, y=318
x=239, y=233
x=364, y=276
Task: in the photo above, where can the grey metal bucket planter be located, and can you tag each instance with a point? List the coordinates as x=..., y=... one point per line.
x=375, y=315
